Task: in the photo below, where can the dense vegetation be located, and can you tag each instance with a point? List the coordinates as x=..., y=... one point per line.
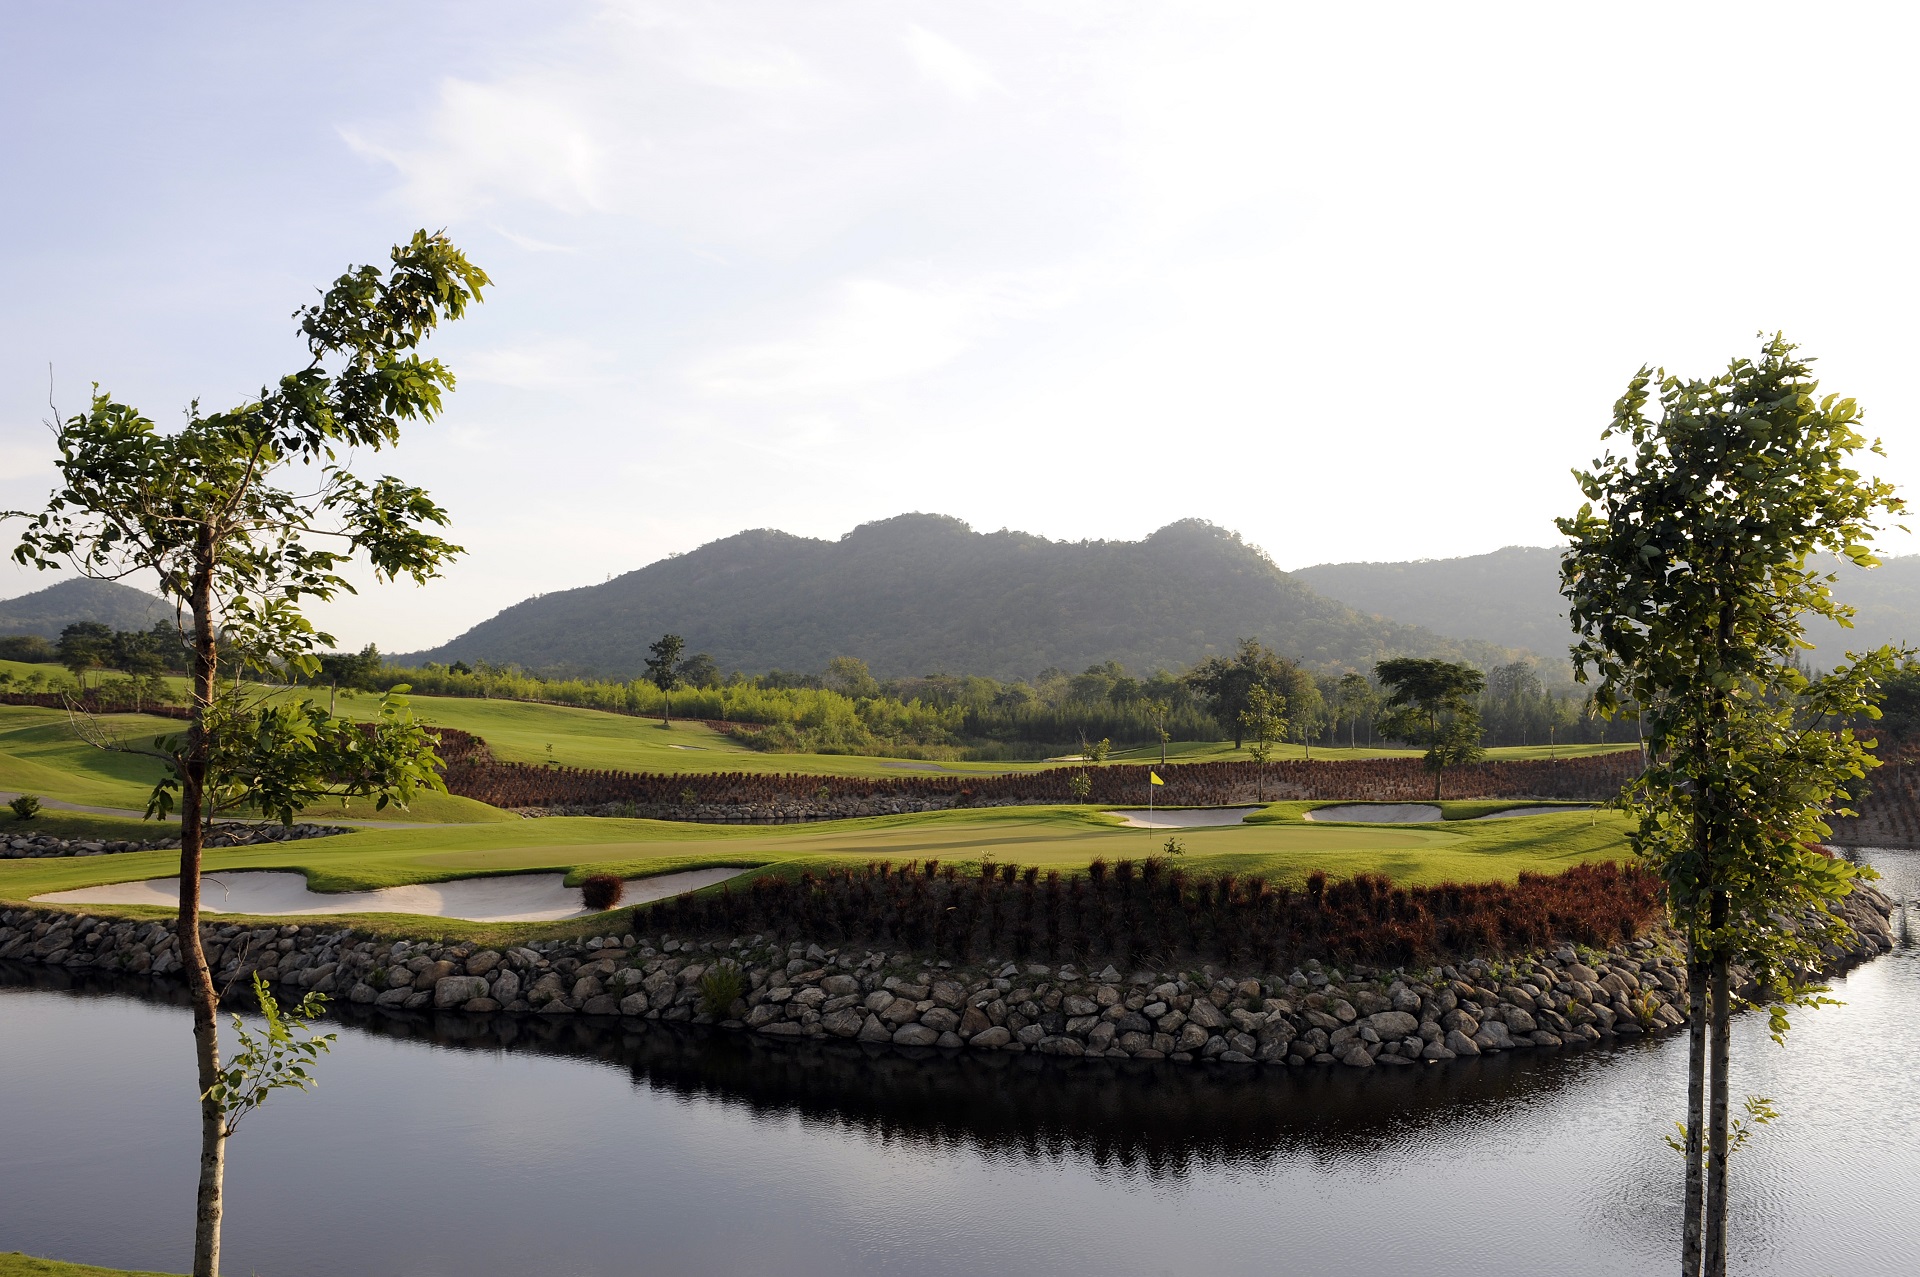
x=922, y=593
x=847, y=710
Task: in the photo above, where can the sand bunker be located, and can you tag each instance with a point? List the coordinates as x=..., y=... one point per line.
x=1191, y=818
x=506, y=898
x=1379, y=813
x=1536, y=811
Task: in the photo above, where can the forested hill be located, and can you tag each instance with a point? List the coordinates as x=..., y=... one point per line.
x=47, y=612
x=1512, y=597
x=925, y=593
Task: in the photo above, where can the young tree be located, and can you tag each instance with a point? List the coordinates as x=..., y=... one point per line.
x=1158, y=710
x=205, y=510
x=1265, y=720
x=849, y=676
x=663, y=671
x=1356, y=700
x=1432, y=704
x=1688, y=582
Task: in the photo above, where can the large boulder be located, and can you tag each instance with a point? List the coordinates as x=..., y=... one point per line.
x=451, y=991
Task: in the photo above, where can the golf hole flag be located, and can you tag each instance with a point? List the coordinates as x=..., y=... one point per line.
x=1153, y=778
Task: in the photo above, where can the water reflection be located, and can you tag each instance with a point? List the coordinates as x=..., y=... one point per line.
x=1156, y=1117
x=443, y=1144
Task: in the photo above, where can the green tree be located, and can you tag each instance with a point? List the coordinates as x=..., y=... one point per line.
x=85, y=645
x=1356, y=699
x=1688, y=583
x=199, y=509
x=849, y=676
x=700, y=670
x=1265, y=721
x=663, y=671
x=1900, y=713
x=1431, y=703
x=1225, y=684
x=1158, y=711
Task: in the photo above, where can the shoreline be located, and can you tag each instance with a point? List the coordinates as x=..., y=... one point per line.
x=793, y=990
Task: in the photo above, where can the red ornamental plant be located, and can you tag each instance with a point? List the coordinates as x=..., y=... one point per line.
x=1120, y=915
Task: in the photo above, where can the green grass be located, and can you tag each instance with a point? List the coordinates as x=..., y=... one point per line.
x=85, y=824
x=1283, y=848
x=40, y=754
x=14, y=1264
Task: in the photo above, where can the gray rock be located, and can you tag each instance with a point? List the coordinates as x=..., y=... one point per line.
x=362, y=992
x=1393, y=1024
x=453, y=990
x=1356, y=1057
x=634, y=1004
x=874, y=1031
x=914, y=1035
x=949, y=1042
x=1436, y=1051
x=840, y=986
x=844, y=1023
x=393, y=997
x=1205, y=1014
x=1519, y=1021
x=996, y=1035
x=1460, y=1044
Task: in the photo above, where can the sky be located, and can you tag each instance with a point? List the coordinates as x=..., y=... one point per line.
x=1361, y=282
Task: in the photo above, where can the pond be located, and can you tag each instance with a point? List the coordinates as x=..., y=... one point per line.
x=441, y=1146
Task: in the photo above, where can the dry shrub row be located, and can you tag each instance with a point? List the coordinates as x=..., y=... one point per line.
x=1153, y=914
x=473, y=773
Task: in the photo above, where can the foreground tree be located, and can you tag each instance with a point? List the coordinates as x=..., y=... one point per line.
x=1688, y=583
x=663, y=671
x=200, y=510
x=1431, y=703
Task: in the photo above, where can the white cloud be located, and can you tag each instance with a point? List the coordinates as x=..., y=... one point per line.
x=487, y=144
x=870, y=331
x=948, y=65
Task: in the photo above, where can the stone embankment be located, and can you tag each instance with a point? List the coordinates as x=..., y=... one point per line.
x=1314, y=1014
x=26, y=846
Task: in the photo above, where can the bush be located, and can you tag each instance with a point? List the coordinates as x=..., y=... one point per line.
x=25, y=807
x=720, y=988
x=601, y=892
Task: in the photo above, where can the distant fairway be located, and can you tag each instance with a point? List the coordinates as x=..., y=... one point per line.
x=1284, y=850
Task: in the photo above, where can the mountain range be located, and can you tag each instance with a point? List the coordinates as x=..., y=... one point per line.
x=925, y=593
x=47, y=612
x=1511, y=597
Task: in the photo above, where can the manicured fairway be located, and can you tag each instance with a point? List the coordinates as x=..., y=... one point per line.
x=40, y=754
x=1283, y=848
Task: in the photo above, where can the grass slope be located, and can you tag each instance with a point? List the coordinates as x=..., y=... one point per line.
x=1282, y=847
x=40, y=754
x=14, y=1264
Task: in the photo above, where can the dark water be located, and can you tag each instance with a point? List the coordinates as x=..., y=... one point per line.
x=435, y=1148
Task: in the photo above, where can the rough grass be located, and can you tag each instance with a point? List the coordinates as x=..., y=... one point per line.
x=14, y=1264
x=86, y=824
x=1284, y=851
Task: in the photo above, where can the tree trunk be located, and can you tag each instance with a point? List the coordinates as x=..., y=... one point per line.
x=1714, y=1261
x=206, y=1001
x=666, y=708
x=1696, y=1107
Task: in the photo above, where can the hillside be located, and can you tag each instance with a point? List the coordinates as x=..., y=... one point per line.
x=47, y=612
x=1512, y=597
x=922, y=593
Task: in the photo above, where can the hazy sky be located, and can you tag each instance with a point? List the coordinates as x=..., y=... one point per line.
x=1359, y=281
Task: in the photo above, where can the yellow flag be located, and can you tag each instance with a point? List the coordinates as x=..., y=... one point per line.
x=1155, y=778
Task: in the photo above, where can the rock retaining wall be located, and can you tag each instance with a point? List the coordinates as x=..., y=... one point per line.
x=1312, y=1015
x=26, y=846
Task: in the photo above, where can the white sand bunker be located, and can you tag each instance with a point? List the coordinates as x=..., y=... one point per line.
x=506, y=898
x=1378, y=813
x=1537, y=811
x=1189, y=818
